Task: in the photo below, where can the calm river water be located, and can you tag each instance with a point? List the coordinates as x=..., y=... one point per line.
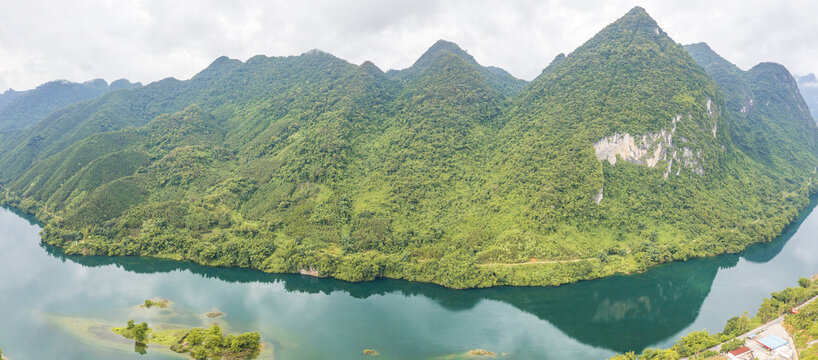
x=43, y=292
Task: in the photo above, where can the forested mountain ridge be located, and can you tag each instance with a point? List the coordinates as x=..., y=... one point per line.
x=21, y=109
x=626, y=153
x=764, y=106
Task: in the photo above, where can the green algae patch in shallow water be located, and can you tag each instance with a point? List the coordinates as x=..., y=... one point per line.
x=97, y=333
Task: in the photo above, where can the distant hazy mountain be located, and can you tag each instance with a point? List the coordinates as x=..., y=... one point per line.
x=628, y=152
x=9, y=96
x=809, y=90
x=21, y=109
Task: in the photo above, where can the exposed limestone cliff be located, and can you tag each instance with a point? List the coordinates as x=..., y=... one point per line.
x=711, y=112
x=651, y=148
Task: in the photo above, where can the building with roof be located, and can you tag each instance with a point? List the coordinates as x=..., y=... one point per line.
x=742, y=353
x=772, y=342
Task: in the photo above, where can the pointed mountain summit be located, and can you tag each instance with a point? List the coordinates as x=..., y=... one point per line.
x=637, y=19
x=371, y=68
x=448, y=88
x=441, y=48
x=497, y=78
x=629, y=99
x=629, y=80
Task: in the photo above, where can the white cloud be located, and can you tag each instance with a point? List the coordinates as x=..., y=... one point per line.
x=145, y=40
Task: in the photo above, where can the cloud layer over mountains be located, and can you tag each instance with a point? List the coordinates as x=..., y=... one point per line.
x=150, y=40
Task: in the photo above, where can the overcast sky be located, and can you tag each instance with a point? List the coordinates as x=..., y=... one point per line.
x=43, y=40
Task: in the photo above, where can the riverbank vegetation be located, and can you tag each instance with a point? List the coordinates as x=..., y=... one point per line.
x=199, y=343
x=137, y=332
x=804, y=326
x=447, y=172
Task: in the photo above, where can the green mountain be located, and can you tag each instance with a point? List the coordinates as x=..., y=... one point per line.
x=21, y=109
x=770, y=121
x=497, y=78
x=626, y=153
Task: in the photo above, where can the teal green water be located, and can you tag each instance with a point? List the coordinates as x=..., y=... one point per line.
x=309, y=318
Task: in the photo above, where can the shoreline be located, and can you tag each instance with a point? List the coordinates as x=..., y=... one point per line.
x=802, y=214
x=765, y=326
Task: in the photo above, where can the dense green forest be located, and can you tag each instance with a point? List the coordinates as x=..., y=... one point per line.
x=626, y=153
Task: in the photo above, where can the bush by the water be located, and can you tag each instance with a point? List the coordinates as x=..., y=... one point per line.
x=138, y=332
x=204, y=343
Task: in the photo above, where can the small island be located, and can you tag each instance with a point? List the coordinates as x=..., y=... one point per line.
x=481, y=352
x=155, y=303
x=371, y=352
x=214, y=314
x=199, y=343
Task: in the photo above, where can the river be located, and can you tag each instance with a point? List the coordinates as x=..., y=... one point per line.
x=43, y=292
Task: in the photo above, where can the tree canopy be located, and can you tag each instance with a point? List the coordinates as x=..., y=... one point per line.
x=447, y=172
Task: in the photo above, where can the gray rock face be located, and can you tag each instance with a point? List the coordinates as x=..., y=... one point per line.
x=649, y=149
x=640, y=149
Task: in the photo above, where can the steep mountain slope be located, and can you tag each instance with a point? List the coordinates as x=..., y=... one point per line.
x=624, y=154
x=617, y=149
x=808, y=85
x=497, y=78
x=769, y=120
x=25, y=108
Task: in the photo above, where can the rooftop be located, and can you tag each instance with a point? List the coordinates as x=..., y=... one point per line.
x=739, y=351
x=772, y=342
